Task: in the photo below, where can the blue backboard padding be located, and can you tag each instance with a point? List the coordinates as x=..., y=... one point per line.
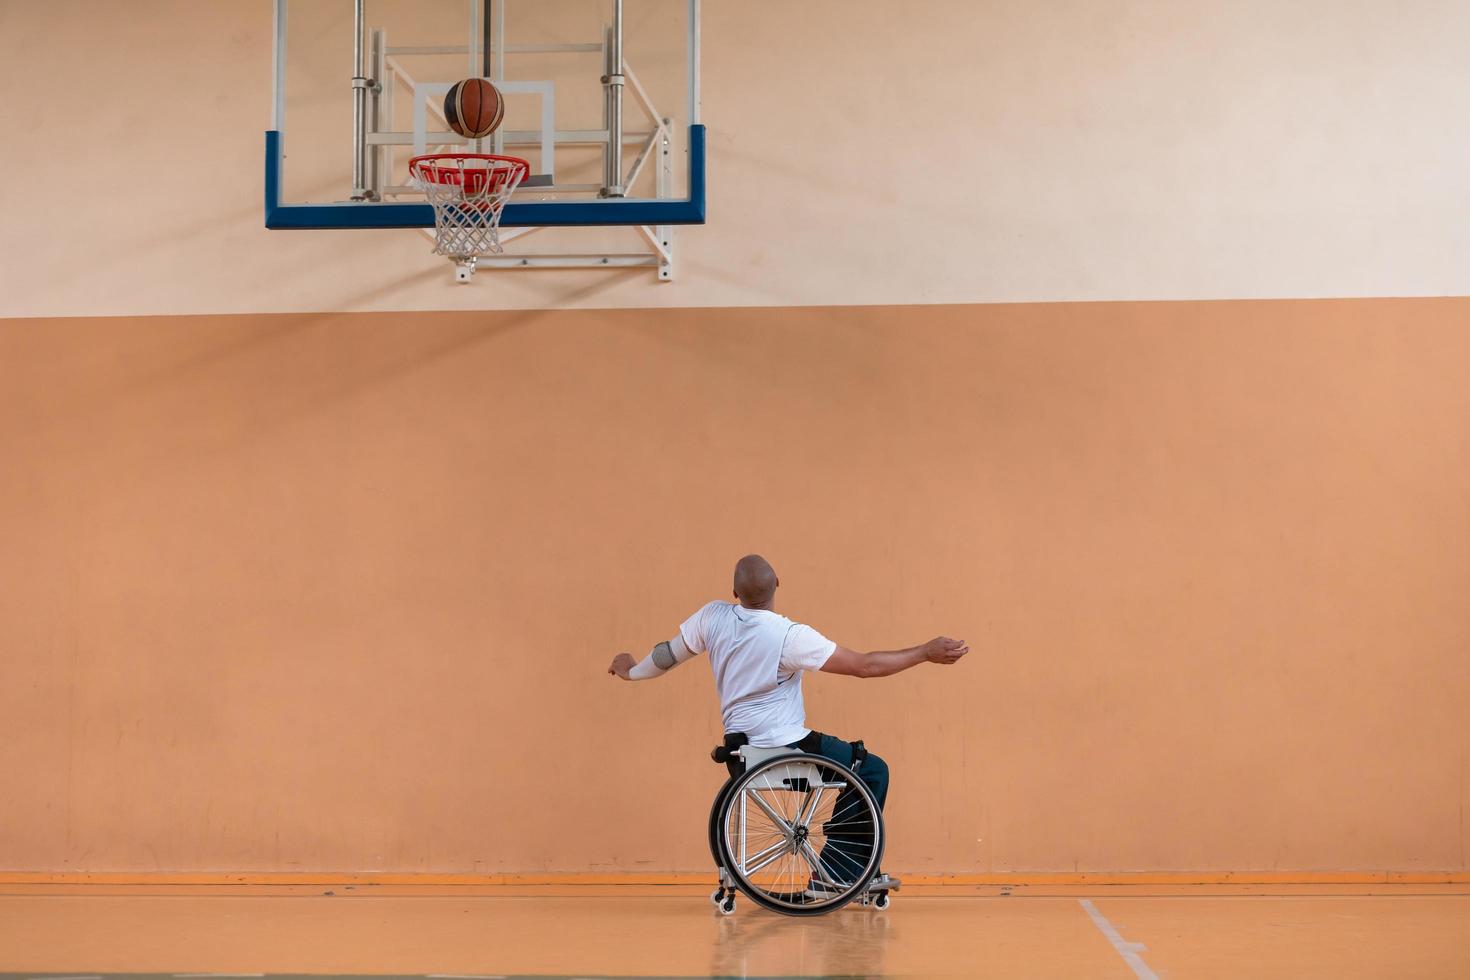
x=355, y=214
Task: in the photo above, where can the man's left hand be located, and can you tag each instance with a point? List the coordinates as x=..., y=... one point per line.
x=621, y=664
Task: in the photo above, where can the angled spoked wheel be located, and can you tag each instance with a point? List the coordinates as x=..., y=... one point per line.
x=798, y=834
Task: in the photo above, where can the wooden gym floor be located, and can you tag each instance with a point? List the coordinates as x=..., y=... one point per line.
x=1339, y=931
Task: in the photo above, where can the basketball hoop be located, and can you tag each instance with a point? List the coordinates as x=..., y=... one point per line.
x=468, y=191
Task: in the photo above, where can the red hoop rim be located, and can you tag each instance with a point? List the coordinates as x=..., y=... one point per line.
x=441, y=174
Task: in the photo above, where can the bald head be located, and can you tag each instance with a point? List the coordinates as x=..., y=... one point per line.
x=755, y=582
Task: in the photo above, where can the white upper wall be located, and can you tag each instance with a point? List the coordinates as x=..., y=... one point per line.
x=861, y=152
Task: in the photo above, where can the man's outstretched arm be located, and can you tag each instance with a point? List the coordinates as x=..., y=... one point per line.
x=661, y=659
x=881, y=663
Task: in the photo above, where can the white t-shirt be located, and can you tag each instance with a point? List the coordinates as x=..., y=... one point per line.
x=757, y=657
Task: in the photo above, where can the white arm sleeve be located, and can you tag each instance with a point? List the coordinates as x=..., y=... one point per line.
x=664, y=658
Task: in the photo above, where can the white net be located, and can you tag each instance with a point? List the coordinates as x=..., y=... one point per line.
x=468, y=192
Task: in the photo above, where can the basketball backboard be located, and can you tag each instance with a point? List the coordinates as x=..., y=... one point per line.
x=602, y=98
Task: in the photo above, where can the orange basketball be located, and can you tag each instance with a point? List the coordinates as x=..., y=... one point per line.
x=474, y=108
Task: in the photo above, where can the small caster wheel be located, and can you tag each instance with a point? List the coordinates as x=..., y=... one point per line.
x=717, y=898
x=727, y=907
x=880, y=901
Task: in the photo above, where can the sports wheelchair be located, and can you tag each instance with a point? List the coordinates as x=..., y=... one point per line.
x=798, y=833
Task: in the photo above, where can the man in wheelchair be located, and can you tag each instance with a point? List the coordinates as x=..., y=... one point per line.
x=758, y=657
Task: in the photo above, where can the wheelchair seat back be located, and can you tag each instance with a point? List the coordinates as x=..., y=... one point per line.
x=739, y=756
x=752, y=756
x=797, y=776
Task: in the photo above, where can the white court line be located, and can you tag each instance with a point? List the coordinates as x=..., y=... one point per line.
x=1129, y=951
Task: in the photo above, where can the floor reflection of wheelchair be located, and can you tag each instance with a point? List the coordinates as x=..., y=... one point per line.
x=799, y=834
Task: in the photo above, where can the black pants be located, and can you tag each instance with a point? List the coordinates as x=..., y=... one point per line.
x=848, y=846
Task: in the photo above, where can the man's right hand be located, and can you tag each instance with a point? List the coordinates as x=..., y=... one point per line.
x=943, y=650
x=621, y=664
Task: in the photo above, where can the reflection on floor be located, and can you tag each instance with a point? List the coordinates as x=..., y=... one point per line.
x=675, y=933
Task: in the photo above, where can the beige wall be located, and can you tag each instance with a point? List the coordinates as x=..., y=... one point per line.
x=318, y=585
x=338, y=591
x=860, y=152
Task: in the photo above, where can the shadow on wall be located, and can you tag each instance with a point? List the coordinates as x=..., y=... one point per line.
x=172, y=377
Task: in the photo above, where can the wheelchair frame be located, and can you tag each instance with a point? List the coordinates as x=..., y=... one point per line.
x=790, y=769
